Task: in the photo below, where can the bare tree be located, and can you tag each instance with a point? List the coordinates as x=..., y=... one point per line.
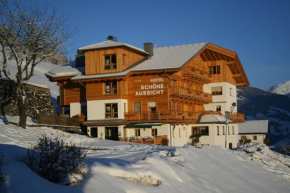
x=29, y=35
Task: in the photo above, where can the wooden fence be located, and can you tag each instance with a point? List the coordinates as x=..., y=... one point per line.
x=57, y=120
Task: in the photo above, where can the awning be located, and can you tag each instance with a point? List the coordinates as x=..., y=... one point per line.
x=143, y=125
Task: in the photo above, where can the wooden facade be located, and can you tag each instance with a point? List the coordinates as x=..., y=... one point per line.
x=174, y=96
x=95, y=60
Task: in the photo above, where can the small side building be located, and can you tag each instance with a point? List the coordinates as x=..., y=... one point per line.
x=253, y=131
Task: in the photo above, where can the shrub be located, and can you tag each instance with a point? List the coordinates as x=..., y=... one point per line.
x=55, y=160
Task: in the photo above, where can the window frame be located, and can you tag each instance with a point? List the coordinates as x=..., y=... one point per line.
x=140, y=107
x=111, y=89
x=111, y=114
x=111, y=65
x=137, y=132
x=215, y=69
x=199, y=131
x=217, y=93
x=218, y=108
x=154, y=132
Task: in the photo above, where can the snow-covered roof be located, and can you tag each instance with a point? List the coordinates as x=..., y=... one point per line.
x=213, y=118
x=63, y=71
x=172, y=57
x=110, y=44
x=255, y=126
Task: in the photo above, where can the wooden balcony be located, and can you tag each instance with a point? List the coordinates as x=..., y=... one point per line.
x=164, y=116
x=237, y=117
x=195, y=74
x=157, y=140
x=191, y=94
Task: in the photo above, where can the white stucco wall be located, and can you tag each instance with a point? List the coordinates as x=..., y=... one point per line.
x=75, y=108
x=96, y=109
x=180, y=134
x=229, y=96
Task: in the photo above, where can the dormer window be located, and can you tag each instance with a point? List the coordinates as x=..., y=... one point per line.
x=110, y=62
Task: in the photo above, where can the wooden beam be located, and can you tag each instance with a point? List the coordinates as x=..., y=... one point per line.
x=236, y=75
x=241, y=84
x=208, y=58
x=203, y=57
x=216, y=55
x=231, y=63
x=211, y=54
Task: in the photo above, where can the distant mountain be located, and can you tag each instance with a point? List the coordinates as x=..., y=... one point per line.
x=259, y=104
x=283, y=88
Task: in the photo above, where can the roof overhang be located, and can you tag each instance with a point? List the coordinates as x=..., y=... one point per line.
x=143, y=125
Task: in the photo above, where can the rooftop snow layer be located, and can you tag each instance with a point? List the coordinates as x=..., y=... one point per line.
x=255, y=126
x=170, y=57
x=109, y=44
x=63, y=71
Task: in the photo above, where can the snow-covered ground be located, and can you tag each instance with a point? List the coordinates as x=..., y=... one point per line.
x=120, y=167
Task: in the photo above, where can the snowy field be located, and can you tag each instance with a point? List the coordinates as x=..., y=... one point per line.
x=118, y=166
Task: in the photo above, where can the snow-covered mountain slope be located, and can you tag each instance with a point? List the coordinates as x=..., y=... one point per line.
x=283, y=88
x=259, y=104
x=38, y=78
x=121, y=167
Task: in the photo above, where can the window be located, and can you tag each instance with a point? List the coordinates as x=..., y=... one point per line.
x=179, y=132
x=137, y=132
x=199, y=131
x=217, y=90
x=124, y=60
x=218, y=108
x=110, y=62
x=255, y=137
x=224, y=131
x=233, y=130
x=137, y=107
x=204, y=130
x=229, y=131
x=154, y=132
x=111, y=110
x=243, y=137
x=231, y=92
x=214, y=69
x=218, y=130
x=125, y=107
x=111, y=87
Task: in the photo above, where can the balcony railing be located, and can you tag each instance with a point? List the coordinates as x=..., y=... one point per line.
x=237, y=117
x=156, y=140
x=170, y=116
x=191, y=94
x=197, y=74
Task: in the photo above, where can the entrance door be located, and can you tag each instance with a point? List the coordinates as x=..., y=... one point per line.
x=94, y=132
x=230, y=146
x=111, y=133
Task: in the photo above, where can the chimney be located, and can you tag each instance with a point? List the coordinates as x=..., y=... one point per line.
x=112, y=38
x=148, y=47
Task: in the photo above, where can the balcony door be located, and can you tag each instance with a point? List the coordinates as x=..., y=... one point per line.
x=152, y=111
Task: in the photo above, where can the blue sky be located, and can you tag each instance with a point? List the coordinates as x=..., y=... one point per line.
x=258, y=30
